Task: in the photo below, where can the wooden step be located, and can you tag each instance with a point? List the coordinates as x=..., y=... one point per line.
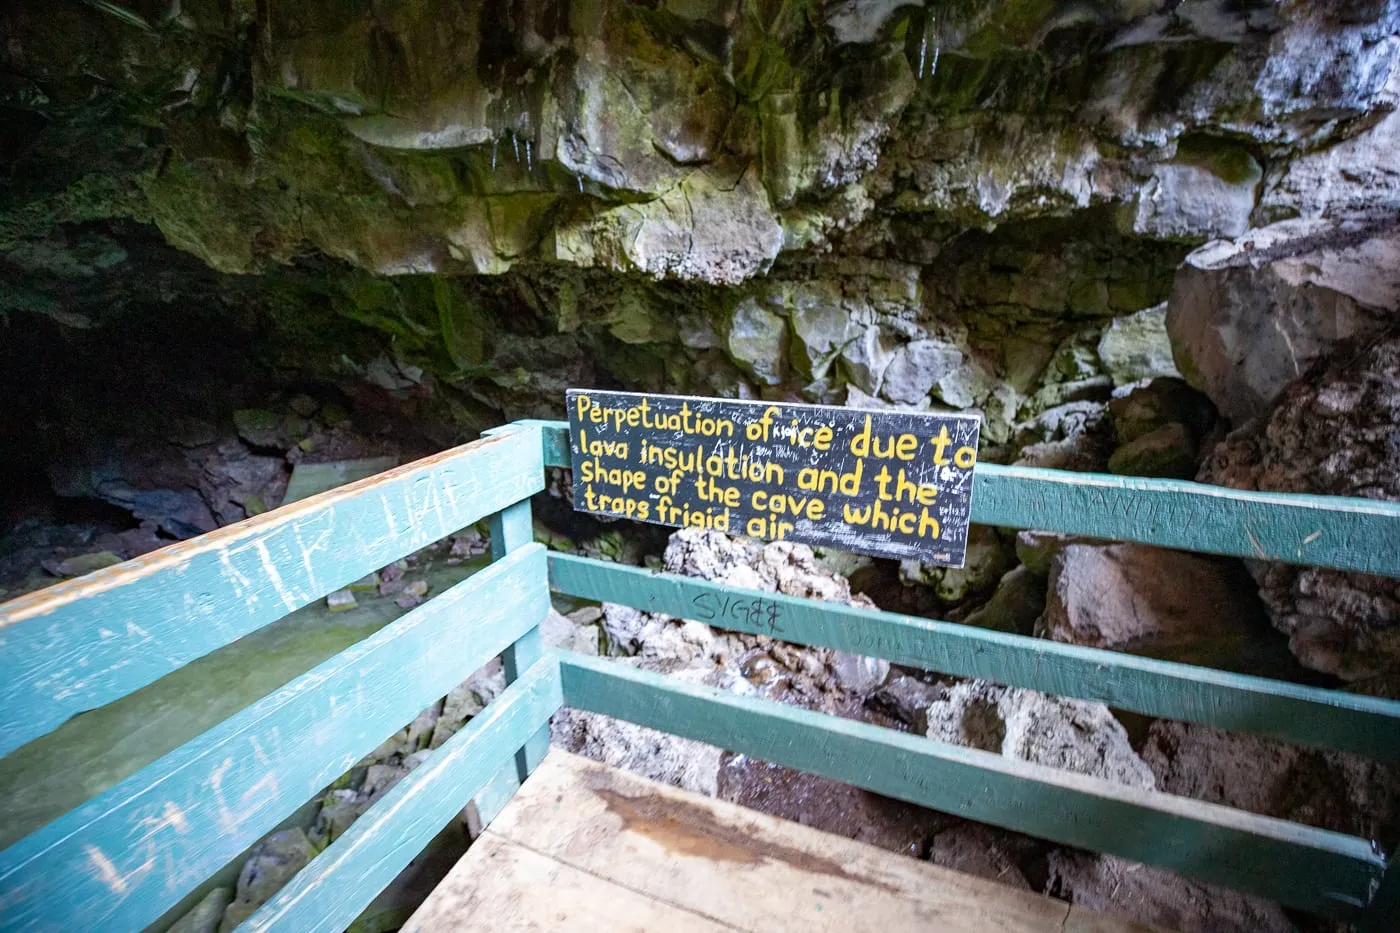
x=586, y=847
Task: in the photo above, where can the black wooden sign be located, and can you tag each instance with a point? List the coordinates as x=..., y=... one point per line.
x=892, y=484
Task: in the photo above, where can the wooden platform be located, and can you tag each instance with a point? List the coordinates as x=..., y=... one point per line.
x=586, y=847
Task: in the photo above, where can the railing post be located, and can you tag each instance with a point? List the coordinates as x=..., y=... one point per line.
x=512, y=528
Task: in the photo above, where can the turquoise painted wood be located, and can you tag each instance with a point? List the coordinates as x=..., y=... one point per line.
x=512, y=529
x=1316, y=870
x=120, y=860
x=1321, y=531
x=1305, y=715
x=86, y=642
x=327, y=895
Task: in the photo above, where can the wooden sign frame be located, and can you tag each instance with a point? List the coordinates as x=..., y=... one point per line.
x=886, y=483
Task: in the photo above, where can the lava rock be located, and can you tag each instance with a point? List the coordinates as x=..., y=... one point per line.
x=1146, y=600
x=1057, y=732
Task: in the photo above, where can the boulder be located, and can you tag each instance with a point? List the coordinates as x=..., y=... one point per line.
x=919, y=366
x=1331, y=434
x=659, y=756
x=561, y=631
x=1152, y=895
x=1047, y=730
x=1344, y=793
x=1075, y=435
x=1242, y=334
x=1037, y=550
x=757, y=341
x=1136, y=346
x=1167, y=452
x=204, y=917
x=1143, y=407
x=271, y=864
x=1146, y=600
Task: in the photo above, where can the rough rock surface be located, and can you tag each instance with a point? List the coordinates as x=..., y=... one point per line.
x=659, y=756
x=1333, y=433
x=1151, y=895
x=1345, y=793
x=1053, y=731
x=1147, y=600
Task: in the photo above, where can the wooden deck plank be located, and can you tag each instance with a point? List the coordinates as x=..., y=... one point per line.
x=751, y=871
x=1291, y=712
x=1322, y=531
x=503, y=887
x=1300, y=866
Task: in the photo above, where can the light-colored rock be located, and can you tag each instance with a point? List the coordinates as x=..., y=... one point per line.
x=917, y=367
x=1072, y=436
x=1136, y=347
x=659, y=756
x=1201, y=194
x=1130, y=597
x=560, y=631
x=1242, y=334
x=757, y=341
x=1053, y=731
x=714, y=226
x=859, y=674
x=204, y=917
x=271, y=864
x=340, y=601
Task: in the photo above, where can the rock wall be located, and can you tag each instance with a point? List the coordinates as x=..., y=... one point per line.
x=854, y=199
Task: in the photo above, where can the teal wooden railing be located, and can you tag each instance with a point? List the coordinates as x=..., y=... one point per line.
x=123, y=859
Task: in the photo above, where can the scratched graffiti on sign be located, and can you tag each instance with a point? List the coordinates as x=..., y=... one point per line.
x=893, y=484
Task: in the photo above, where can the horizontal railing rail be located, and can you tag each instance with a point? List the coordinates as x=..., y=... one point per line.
x=123, y=858
x=135, y=850
x=1319, y=531
x=83, y=643
x=330, y=893
x=1330, y=719
x=1323, y=872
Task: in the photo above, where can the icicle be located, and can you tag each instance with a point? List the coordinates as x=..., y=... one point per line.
x=495, y=141
x=579, y=178
x=923, y=53
x=515, y=141
x=529, y=163
x=937, y=46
